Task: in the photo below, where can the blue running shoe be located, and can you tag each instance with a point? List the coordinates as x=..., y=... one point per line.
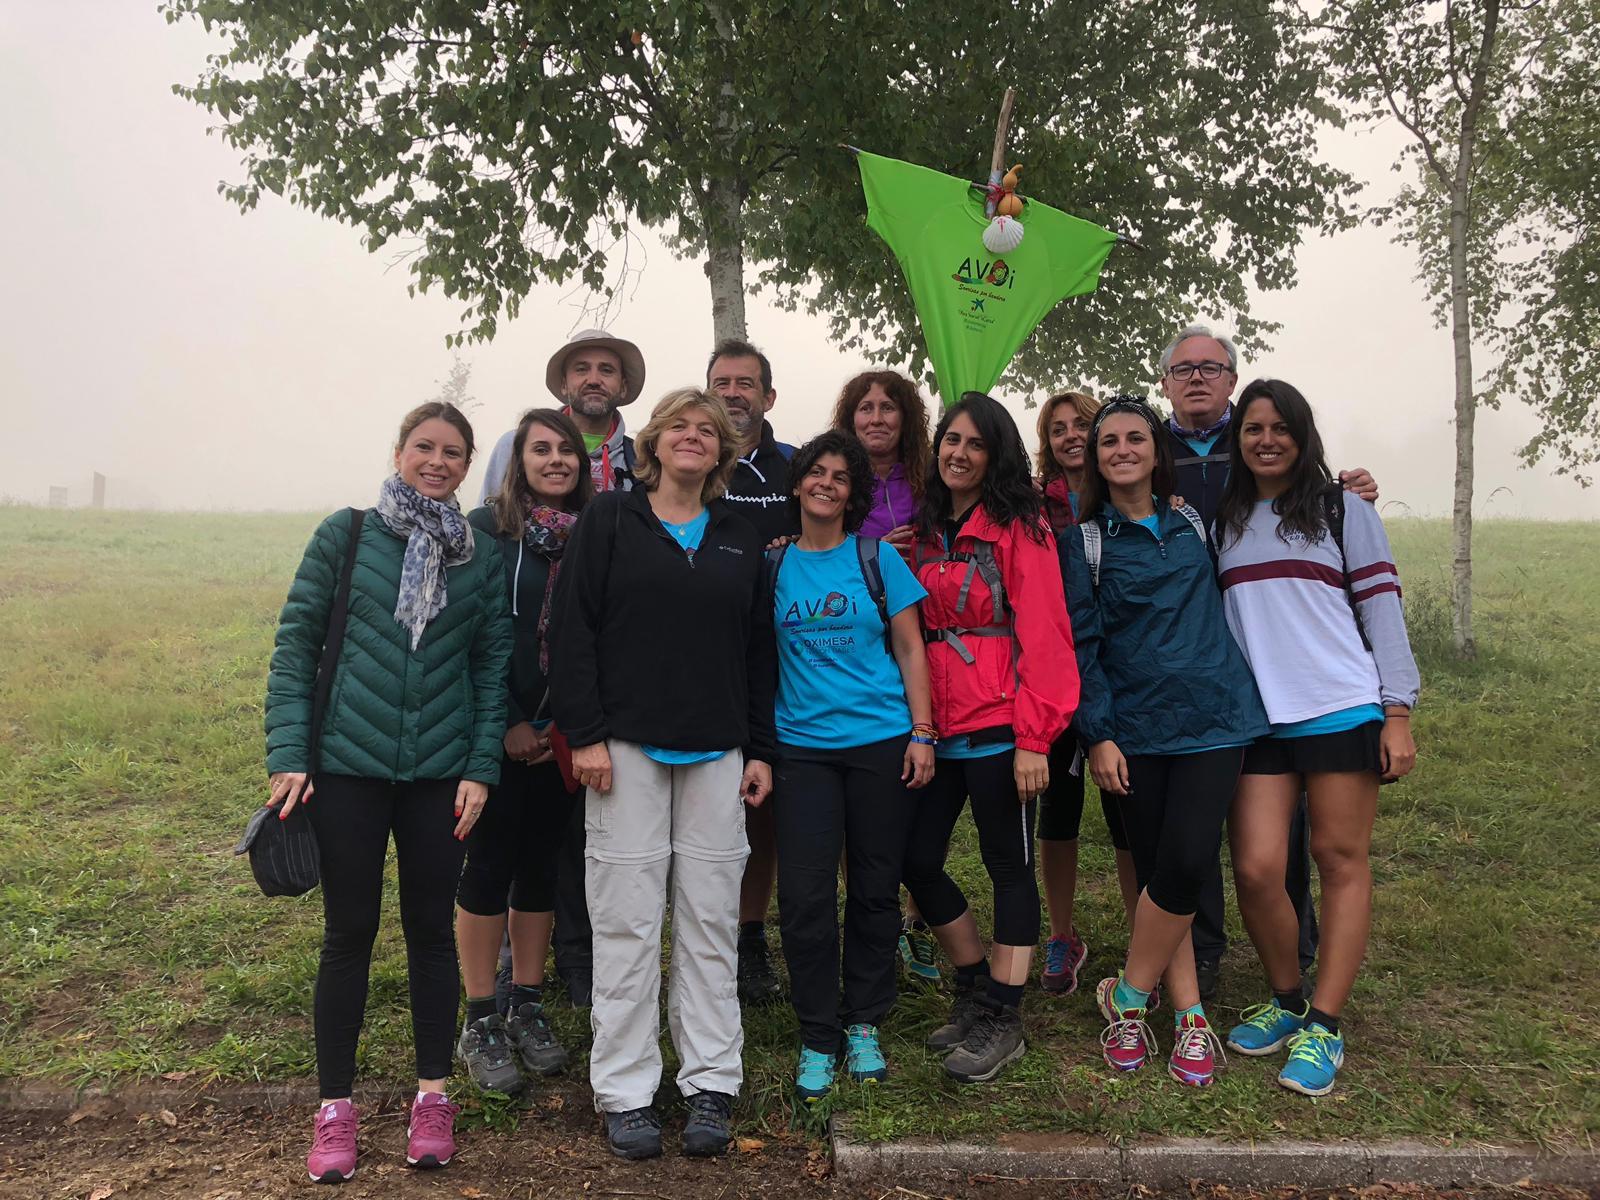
x=1315, y=1056
x=1063, y=959
x=919, y=951
x=862, y=1056
x=814, y=1078
x=1264, y=1028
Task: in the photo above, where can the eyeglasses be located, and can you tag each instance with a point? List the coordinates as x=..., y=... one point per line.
x=1208, y=370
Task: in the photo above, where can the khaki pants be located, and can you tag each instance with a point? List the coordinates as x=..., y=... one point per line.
x=658, y=822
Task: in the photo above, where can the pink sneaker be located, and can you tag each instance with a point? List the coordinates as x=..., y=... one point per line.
x=333, y=1149
x=1127, y=1040
x=1194, y=1053
x=431, y=1137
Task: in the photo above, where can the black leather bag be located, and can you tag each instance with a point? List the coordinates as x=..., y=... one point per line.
x=283, y=853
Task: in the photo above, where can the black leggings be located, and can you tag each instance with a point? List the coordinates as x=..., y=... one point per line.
x=1173, y=814
x=353, y=819
x=824, y=801
x=517, y=841
x=1061, y=806
x=1005, y=839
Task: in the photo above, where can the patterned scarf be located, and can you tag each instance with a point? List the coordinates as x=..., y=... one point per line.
x=1201, y=435
x=545, y=531
x=437, y=536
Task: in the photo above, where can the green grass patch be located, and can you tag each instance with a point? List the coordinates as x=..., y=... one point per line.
x=133, y=655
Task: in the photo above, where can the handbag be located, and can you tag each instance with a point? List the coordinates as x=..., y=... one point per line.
x=284, y=856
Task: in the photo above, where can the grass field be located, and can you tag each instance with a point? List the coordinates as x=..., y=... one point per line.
x=133, y=652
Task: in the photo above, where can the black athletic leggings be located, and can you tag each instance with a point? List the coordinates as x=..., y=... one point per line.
x=517, y=842
x=1173, y=815
x=1005, y=839
x=353, y=818
x=824, y=801
x=1061, y=806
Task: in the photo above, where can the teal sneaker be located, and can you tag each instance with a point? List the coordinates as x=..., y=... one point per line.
x=1264, y=1029
x=814, y=1078
x=862, y=1056
x=1315, y=1056
x=919, y=951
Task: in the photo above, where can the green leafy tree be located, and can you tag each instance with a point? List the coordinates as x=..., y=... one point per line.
x=1498, y=105
x=505, y=143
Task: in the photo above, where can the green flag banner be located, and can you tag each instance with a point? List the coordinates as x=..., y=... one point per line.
x=976, y=307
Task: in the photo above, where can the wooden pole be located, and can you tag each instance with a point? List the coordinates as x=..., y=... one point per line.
x=997, y=160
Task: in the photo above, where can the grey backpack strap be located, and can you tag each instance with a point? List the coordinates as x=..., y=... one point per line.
x=1090, y=530
x=1194, y=519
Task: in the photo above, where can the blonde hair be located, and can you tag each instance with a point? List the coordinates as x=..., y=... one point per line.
x=668, y=409
x=1086, y=407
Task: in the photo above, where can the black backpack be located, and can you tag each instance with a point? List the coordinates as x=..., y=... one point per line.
x=871, y=573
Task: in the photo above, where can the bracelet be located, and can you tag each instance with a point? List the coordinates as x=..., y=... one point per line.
x=924, y=727
x=924, y=741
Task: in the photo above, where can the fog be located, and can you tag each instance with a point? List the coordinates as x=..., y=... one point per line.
x=204, y=359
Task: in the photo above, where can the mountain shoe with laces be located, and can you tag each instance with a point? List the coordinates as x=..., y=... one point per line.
x=863, y=1057
x=918, y=951
x=1063, y=959
x=758, y=982
x=1195, y=1051
x=994, y=1040
x=813, y=1078
x=534, y=1041
x=1315, y=1056
x=486, y=1049
x=708, y=1130
x=1264, y=1029
x=431, y=1133
x=964, y=1011
x=634, y=1134
x=1126, y=1041
x=333, y=1146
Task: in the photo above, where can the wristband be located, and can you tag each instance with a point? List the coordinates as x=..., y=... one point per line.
x=924, y=741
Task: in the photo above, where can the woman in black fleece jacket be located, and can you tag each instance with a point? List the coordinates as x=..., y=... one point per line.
x=662, y=682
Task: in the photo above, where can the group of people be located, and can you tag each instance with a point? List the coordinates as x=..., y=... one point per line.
x=696, y=663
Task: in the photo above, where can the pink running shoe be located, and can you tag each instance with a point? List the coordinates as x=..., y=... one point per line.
x=1127, y=1040
x=333, y=1149
x=1194, y=1053
x=431, y=1136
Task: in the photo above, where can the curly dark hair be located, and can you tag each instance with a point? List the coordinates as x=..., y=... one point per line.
x=915, y=451
x=845, y=445
x=1300, y=508
x=1007, y=492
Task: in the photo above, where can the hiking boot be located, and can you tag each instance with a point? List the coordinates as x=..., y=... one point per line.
x=1207, y=971
x=995, y=1040
x=1315, y=1056
x=863, y=1057
x=333, y=1147
x=489, y=1055
x=1264, y=1028
x=1063, y=959
x=706, y=1134
x=813, y=1079
x=579, y=984
x=1195, y=1050
x=1126, y=1041
x=919, y=951
x=534, y=1041
x=963, y=1012
x=634, y=1134
x=503, y=985
x=758, y=982
x=431, y=1134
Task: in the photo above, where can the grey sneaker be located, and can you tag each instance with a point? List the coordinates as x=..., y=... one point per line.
x=707, y=1131
x=534, y=1040
x=963, y=1013
x=995, y=1040
x=634, y=1134
x=486, y=1050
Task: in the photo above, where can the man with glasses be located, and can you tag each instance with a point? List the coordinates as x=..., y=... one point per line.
x=1199, y=372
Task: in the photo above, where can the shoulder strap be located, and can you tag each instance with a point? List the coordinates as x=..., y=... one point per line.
x=773, y=562
x=872, y=571
x=1090, y=532
x=1333, y=513
x=333, y=640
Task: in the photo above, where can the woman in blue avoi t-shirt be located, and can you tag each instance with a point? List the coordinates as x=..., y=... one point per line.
x=855, y=735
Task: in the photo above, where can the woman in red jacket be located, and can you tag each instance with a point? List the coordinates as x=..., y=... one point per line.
x=1005, y=684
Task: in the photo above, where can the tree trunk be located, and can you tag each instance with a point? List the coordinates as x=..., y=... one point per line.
x=723, y=218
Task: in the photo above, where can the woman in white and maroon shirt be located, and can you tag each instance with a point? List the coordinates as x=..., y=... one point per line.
x=1313, y=599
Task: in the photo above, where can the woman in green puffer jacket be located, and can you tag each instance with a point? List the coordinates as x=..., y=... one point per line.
x=410, y=744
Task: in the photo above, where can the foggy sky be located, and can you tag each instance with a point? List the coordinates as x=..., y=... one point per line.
x=204, y=359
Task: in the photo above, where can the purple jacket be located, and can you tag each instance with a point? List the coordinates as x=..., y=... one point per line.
x=892, y=503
